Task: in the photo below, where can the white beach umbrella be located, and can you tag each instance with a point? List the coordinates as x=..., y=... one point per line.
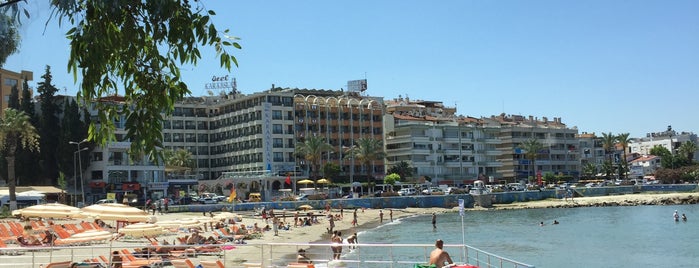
x=142, y=230
x=117, y=212
x=49, y=211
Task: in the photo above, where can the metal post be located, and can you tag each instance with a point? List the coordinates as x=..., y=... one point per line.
x=80, y=168
x=82, y=186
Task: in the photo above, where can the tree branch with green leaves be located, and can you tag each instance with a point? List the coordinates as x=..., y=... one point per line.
x=136, y=48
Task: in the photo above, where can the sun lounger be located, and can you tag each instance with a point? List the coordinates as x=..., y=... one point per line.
x=63, y=264
x=300, y=265
x=131, y=261
x=212, y=264
x=182, y=263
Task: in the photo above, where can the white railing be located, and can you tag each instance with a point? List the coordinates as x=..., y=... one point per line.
x=270, y=255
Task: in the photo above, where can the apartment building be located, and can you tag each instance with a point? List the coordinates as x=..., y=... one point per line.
x=592, y=152
x=244, y=136
x=670, y=139
x=560, y=156
x=440, y=146
x=340, y=118
x=10, y=79
x=111, y=169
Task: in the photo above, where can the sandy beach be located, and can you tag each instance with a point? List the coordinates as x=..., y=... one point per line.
x=317, y=233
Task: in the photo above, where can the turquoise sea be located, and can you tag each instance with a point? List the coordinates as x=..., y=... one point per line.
x=620, y=237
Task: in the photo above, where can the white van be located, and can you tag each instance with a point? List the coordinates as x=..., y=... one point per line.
x=106, y=201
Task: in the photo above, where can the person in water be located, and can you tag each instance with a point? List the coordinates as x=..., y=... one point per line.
x=439, y=256
x=676, y=216
x=684, y=217
x=555, y=222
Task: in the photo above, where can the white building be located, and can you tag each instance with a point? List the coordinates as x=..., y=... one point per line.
x=644, y=166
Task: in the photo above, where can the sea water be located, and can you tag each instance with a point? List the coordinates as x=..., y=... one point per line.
x=620, y=237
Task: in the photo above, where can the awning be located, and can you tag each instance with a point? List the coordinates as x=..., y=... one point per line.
x=134, y=186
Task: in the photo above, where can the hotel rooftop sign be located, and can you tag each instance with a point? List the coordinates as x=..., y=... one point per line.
x=219, y=82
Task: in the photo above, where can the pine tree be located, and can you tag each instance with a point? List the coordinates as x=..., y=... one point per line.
x=49, y=127
x=26, y=168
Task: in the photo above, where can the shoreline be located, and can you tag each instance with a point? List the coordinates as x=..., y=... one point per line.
x=315, y=238
x=638, y=199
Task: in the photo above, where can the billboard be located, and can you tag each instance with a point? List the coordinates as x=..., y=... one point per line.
x=357, y=85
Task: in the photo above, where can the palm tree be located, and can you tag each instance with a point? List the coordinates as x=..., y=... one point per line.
x=16, y=129
x=623, y=140
x=688, y=148
x=531, y=149
x=312, y=150
x=608, y=141
x=180, y=158
x=366, y=151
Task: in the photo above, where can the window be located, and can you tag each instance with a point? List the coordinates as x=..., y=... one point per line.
x=10, y=82
x=276, y=114
x=278, y=157
x=277, y=129
x=277, y=143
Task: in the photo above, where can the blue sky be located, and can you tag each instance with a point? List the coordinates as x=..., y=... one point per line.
x=602, y=65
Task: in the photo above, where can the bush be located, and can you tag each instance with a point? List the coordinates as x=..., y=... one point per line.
x=389, y=194
x=288, y=198
x=458, y=191
x=318, y=197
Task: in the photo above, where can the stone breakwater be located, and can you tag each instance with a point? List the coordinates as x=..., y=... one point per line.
x=609, y=201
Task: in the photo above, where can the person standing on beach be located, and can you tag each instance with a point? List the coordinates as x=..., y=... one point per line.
x=331, y=221
x=275, y=225
x=434, y=220
x=390, y=214
x=166, y=202
x=296, y=219
x=352, y=239
x=439, y=256
x=337, y=245
x=354, y=220
x=380, y=216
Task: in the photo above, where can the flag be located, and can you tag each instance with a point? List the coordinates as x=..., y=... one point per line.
x=288, y=180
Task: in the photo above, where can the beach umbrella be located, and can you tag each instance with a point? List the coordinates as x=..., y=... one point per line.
x=49, y=211
x=179, y=223
x=117, y=212
x=142, y=230
x=323, y=181
x=305, y=207
x=227, y=215
x=306, y=181
x=84, y=237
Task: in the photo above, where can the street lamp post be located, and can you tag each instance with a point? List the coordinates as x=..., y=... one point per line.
x=80, y=167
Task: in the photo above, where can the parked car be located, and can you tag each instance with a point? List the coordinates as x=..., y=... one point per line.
x=407, y=191
x=302, y=197
x=433, y=191
x=106, y=201
x=207, y=200
x=515, y=187
x=378, y=193
x=220, y=198
x=255, y=197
